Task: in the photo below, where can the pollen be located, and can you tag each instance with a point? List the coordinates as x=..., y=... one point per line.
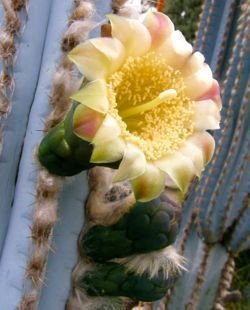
x=157, y=123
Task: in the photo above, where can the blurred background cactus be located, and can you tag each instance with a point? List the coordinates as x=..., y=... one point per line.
x=185, y=15
x=215, y=226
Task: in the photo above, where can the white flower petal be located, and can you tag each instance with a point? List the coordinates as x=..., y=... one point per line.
x=175, y=50
x=179, y=168
x=98, y=58
x=205, y=142
x=159, y=26
x=199, y=82
x=107, y=131
x=109, y=151
x=213, y=93
x=132, y=33
x=133, y=164
x=93, y=95
x=150, y=184
x=207, y=115
x=195, y=154
x=194, y=63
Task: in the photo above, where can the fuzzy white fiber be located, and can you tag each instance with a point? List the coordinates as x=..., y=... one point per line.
x=166, y=260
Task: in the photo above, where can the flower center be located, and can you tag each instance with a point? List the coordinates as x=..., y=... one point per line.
x=167, y=94
x=147, y=97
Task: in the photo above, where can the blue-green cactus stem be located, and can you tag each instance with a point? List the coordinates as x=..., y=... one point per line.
x=112, y=279
x=62, y=153
x=147, y=227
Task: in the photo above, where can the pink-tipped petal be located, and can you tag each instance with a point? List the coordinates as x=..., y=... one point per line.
x=175, y=50
x=206, y=115
x=213, y=93
x=86, y=122
x=199, y=83
x=150, y=184
x=159, y=26
x=98, y=58
x=132, y=33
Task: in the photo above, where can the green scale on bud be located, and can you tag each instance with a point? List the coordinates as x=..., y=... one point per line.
x=147, y=227
x=62, y=153
x=112, y=279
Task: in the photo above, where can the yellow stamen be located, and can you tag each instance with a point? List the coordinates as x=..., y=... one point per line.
x=135, y=89
x=163, y=97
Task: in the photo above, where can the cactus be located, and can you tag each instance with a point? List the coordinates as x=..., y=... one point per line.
x=147, y=227
x=220, y=231
x=63, y=153
x=214, y=226
x=112, y=279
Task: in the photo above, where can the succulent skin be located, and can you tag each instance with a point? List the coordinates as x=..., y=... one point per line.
x=147, y=227
x=112, y=279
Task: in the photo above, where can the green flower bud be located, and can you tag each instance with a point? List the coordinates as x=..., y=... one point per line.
x=62, y=153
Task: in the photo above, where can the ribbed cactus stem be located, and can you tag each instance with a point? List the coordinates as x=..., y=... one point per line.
x=205, y=29
x=187, y=231
x=225, y=282
x=199, y=21
x=241, y=38
x=112, y=279
x=200, y=277
x=9, y=32
x=145, y=228
x=106, y=204
x=48, y=186
x=225, y=38
x=244, y=23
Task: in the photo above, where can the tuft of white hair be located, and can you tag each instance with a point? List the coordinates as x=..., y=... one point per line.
x=166, y=261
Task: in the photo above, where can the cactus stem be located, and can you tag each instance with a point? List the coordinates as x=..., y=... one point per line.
x=9, y=32
x=200, y=277
x=48, y=186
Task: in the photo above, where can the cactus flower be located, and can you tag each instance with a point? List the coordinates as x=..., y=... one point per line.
x=147, y=101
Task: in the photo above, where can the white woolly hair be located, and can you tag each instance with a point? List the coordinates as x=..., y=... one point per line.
x=166, y=260
x=80, y=29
